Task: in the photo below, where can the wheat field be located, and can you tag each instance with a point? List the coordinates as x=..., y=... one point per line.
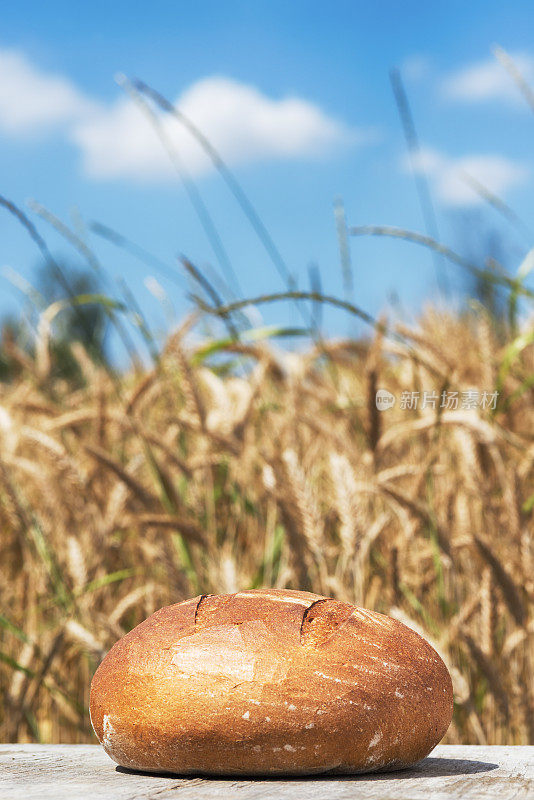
x=254, y=466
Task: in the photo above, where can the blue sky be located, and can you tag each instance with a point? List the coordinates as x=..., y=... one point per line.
x=297, y=98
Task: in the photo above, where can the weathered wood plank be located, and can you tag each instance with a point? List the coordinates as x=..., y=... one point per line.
x=84, y=772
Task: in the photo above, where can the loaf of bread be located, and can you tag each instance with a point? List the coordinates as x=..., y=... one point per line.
x=270, y=683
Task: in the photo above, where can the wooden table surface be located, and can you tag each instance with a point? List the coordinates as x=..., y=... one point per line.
x=84, y=772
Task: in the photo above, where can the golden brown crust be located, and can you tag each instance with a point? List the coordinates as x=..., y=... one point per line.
x=270, y=682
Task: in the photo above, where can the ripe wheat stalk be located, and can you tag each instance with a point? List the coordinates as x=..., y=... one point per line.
x=187, y=479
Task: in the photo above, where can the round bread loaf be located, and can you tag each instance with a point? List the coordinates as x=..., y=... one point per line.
x=270, y=682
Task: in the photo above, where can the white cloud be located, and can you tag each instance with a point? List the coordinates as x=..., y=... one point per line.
x=416, y=68
x=241, y=123
x=31, y=100
x=116, y=140
x=488, y=80
x=450, y=176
